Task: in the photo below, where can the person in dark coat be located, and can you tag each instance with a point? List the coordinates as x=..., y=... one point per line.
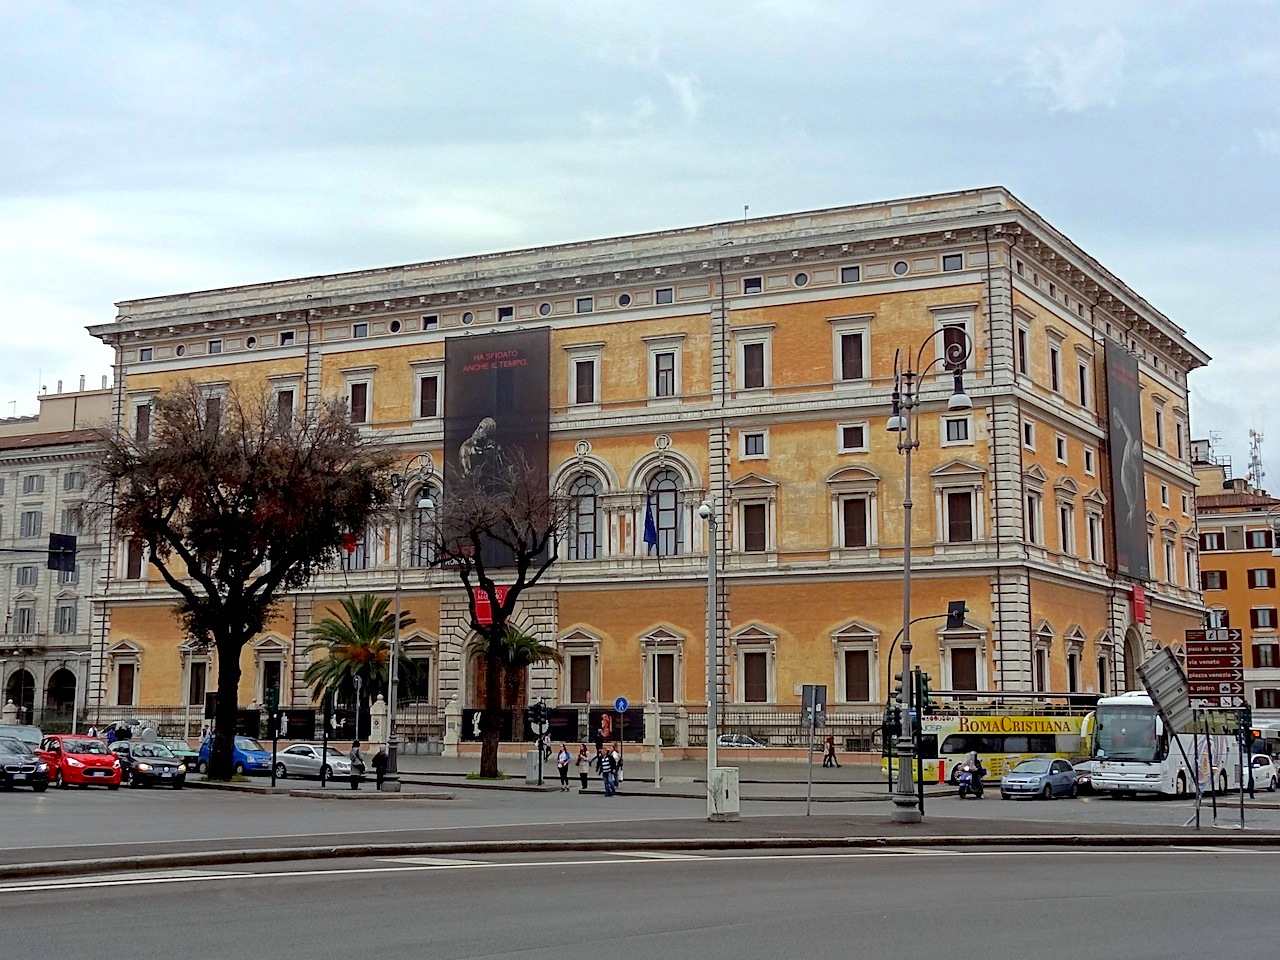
x=380, y=761
x=357, y=764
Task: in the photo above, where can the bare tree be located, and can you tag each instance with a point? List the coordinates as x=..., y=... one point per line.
x=235, y=503
x=501, y=527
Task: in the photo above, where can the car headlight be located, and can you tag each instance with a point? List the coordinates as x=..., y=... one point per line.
x=42, y=768
x=1037, y=781
x=115, y=761
x=182, y=768
x=144, y=767
x=73, y=762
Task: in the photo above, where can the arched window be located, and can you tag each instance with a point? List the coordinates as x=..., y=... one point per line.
x=584, y=497
x=664, y=502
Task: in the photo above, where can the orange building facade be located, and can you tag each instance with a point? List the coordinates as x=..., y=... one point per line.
x=749, y=364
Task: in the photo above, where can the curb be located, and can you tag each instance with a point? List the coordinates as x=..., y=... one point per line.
x=477, y=847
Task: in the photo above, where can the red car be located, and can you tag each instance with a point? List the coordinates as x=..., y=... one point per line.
x=80, y=760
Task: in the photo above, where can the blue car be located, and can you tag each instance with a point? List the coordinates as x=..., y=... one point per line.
x=1039, y=777
x=247, y=756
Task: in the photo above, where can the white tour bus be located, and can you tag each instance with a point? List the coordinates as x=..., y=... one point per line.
x=1134, y=753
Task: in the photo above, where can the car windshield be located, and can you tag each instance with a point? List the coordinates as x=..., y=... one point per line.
x=248, y=743
x=176, y=744
x=14, y=746
x=84, y=746
x=1126, y=732
x=336, y=753
x=1032, y=766
x=153, y=750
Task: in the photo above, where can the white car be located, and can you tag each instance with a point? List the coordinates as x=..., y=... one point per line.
x=1265, y=776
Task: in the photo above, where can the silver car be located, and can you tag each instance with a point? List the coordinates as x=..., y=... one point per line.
x=303, y=760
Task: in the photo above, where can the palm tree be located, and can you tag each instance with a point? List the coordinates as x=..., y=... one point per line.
x=356, y=647
x=519, y=650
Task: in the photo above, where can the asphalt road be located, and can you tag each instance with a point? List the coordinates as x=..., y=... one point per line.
x=1000, y=905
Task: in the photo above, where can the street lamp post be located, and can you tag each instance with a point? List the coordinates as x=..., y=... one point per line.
x=419, y=469
x=708, y=513
x=907, y=378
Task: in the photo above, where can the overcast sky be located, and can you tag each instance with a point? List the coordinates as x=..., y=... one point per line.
x=155, y=147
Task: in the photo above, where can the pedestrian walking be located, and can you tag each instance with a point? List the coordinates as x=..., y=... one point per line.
x=616, y=754
x=829, y=753
x=584, y=765
x=546, y=746
x=563, y=759
x=380, y=760
x=608, y=773
x=93, y=731
x=357, y=764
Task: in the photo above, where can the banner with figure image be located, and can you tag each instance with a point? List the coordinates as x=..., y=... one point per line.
x=497, y=395
x=1128, y=492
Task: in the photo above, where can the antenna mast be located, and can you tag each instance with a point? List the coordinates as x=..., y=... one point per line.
x=1256, y=473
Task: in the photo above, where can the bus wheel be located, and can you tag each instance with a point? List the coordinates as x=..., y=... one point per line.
x=1180, y=785
x=1222, y=782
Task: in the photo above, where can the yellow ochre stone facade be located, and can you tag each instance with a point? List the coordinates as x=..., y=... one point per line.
x=778, y=338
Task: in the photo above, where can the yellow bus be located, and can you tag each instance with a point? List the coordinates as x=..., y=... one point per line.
x=1002, y=741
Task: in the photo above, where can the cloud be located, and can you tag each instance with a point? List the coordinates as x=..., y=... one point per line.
x=688, y=94
x=1078, y=76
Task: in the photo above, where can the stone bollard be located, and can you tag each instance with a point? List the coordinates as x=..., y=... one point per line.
x=378, y=732
x=452, y=727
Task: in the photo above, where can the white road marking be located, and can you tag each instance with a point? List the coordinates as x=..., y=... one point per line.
x=657, y=855
x=436, y=861
x=610, y=860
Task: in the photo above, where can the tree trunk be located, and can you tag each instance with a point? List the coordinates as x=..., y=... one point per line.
x=221, y=763
x=492, y=709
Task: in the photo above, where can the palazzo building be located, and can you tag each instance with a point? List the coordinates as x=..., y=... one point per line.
x=750, y=363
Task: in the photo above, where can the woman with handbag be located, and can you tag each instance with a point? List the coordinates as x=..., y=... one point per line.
x=563, y=759
x=357, y=764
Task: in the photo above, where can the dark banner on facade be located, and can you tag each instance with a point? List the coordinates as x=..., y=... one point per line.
x=497, y=403
x=1128, y=479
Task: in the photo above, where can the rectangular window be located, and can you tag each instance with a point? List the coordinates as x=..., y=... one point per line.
x=359, y=331
x=1033, y=519
x=1262, y=579
x=30, y=523
x=664, y=295
x=584, y=381
x=1055, y=370
x=429, y=396
x=752, y=366
x=850, y=274
x=851, y=356
x=1170, y=565
x=27, y=575
x=952, y=261
x=754, y=527
x=73, y=480
x=1217, y=618
x=69, y=576
x=24, y=619
x=1212, y=541
x=1066, y=529
x=755, y=677
x=1022, y=350
x=284, y=407
x=1267, y=699
x=1213, y=579
x=145, y=354
x=1073, y=672
x=752, y=284
x=580, y=678
x=664, y=669
x=954, y=342
x=857, y=676
x=1082, y=382
x=359, y=402
x=1178, y=441
x=1164, y=495
x=212, y=413
x=753, y=445
x=1257, y=539
x=126, y=673
x=960, y=517
x=1095, y=538
x=855, y=521
x=506, y=313
x=1264, y=655
x=197, y=682
x=133, y=560
x=664, y=374
x=33, y=483
x=1263, y=618
x=66, y=618
x=584, y=305
x=1028, y=434
x=853, y=437
x=1088, y=461
x=964, y=668
x=73, y=521
x=431, y=321
x=1159, y=427
x=956, y=429
x=215, y=346
x=1060, y=449
x=286, y=338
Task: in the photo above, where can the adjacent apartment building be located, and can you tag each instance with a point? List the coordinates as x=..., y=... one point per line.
x=1238, y=562
x=749, y=363
x=44, y=466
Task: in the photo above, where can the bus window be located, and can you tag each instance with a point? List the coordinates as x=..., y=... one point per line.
x=928, y=746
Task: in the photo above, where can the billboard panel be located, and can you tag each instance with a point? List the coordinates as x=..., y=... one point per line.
x=497, y=402
x=1128, y=478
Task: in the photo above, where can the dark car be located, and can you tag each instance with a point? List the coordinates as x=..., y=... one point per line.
x=146, y=763
x=20, y=767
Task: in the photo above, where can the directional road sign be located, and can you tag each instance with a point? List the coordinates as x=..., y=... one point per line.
x=1215, y=668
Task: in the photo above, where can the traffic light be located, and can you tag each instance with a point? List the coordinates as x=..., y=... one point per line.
x=956, y=611
x=892, y=722
x=897, y=688
x=537, y=713
x=924, y=693
x=62, y=552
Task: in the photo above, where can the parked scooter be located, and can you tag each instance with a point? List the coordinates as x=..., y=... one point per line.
x=969, y=781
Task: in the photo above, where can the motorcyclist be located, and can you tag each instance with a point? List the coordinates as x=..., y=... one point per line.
x=976, y=772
